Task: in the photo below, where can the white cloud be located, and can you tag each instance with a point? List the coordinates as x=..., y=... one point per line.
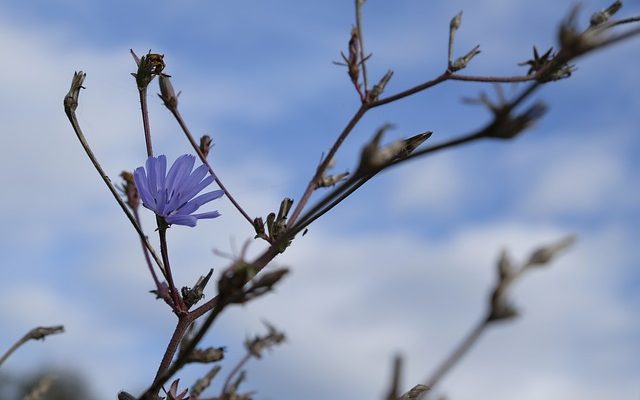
x=434, y=187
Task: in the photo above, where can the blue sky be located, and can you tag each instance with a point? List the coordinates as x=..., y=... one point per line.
x=402, y=266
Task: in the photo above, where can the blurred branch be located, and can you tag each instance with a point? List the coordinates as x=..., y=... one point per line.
x=499, y=308
x=41, y=389
x=38, y=333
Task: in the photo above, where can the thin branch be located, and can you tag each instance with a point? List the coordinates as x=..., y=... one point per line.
x=70, y=105
x=343, y=191
x=38, y=333
x=363, y=58
x=203, y=158
x=233, y=372
x=468, y=342
x=147, y=258
x=142, y=91
x=178, y=305
x=165, y=372
x=313, y=183
x=181, y=328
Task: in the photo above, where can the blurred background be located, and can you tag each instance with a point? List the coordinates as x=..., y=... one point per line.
x=402, y=267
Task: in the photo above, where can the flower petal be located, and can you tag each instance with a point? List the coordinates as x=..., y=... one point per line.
x=207, y=215
x=194, y=179
x=180, y=168
x=140, y=179
x=195, y=203
x=151, y=175
x=197, y=188
x=188, y=220
x=161, y=171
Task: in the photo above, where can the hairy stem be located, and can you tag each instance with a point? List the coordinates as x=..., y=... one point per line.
x=178, y=305
x=145, y=119
x=174, y=342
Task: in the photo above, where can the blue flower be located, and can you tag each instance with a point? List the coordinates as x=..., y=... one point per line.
x=171, y=195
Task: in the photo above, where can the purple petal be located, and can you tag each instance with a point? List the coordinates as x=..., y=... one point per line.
x=195, y=203
x=193, y=180
x=161, y=171
x=180, y=169
x=197, y=188
x=188, y=220
x=151, y=175
x=140, y=179
x=207, y=215
x=161, y=202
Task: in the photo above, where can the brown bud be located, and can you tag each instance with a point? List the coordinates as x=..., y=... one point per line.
x=205, y=144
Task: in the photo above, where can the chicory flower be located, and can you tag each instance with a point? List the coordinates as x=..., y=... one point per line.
x=172, y=195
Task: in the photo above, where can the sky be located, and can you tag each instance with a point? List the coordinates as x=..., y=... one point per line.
x=403, y=266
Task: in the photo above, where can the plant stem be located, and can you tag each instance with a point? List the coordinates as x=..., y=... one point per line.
x=142, y=91
x=178, y=305
x=233, y=372
x=313, y=183
x=362, y=61
x=196, y=148
x=457, y=354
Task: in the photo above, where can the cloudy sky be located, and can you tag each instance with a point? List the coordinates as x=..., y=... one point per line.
x=404, y=266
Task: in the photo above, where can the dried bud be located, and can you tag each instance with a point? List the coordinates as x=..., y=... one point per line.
x=71, y=99
x=551, y=69
x=352, y=61
x=378, y=88
x=285, y=206
x=173, y=394
x=372, y=157
x=545, y=254
x=130, y=190
x=502, y=311
x=271, y=218
x=572, y=41
x=205, y=145
x=600, y=17
x=462, y=62
x=265, y=282
x=205, y=356
x=233, y=279
x=42, y=387
x=167, y=94
x=505, y=268
x=455, y=22
x=258, y=344
x=415, y=393
x=41, y=332
x=258, y=225
x=150, y=65
x=331, y=180
x=410, y=144
x=192, y=296
x=203, y=383
x=499, y=308
x=506, y=126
